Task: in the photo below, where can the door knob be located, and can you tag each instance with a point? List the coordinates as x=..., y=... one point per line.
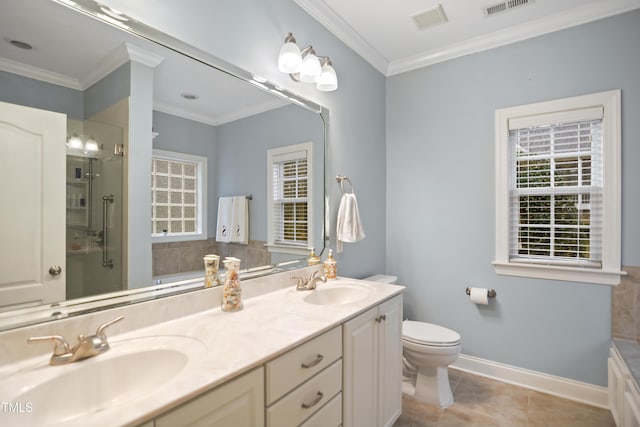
x=55, y=270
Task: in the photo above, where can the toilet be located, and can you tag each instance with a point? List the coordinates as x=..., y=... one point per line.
x=428, y=351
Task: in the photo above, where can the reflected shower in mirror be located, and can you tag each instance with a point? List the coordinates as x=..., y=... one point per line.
x=113, y=223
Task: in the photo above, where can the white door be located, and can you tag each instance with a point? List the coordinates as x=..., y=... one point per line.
x=32, y=206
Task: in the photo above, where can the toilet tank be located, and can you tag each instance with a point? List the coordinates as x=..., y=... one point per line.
x=382, y=278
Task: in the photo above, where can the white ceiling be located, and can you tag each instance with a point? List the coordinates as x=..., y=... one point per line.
x=75, y=51
x=384, y=33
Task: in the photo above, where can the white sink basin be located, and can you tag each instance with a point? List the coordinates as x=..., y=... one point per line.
x=131, y=369
x=338, y=293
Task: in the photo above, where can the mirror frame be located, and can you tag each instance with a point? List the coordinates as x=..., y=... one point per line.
x=47, y=312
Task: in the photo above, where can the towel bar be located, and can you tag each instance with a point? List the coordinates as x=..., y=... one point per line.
x=491, y=293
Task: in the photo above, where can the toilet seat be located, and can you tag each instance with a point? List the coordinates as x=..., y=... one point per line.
x=422, y=333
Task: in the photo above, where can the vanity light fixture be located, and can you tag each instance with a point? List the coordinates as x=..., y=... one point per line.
x=306, y=66
x=76, y=142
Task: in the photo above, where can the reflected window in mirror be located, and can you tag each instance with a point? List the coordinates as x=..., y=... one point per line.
x=178, y=196
x=290, y=200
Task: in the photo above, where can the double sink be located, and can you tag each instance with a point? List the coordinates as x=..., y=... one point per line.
x=132, y=369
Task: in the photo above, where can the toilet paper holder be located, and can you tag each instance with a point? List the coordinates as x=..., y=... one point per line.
x=491, y=293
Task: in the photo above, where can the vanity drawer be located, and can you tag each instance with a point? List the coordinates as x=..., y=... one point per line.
x=329, y=416
x=304, y=401
x=293, y=368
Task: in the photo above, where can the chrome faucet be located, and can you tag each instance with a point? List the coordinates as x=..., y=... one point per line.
x=309, y=283
x=87, y=346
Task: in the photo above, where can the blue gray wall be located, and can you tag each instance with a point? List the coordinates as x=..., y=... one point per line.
x=21, y=90
x=109, y=90
x=357, y=108
x=241, y=166
x=191, y=137
x=440, y=195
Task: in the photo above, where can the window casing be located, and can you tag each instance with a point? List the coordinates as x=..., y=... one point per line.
x=290, y=195
x=558, y=189
x=178, y=196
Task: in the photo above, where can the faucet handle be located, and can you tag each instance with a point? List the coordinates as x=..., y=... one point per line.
x=300, y=280
x=61, y=344
x=101, y=328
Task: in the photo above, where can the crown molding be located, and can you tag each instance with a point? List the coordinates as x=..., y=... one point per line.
x=39, y=74
x=339, y=27
x=121, y=55
x=219, y=120
x=572, y=18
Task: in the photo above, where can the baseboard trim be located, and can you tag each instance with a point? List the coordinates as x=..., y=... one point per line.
x=558, y=386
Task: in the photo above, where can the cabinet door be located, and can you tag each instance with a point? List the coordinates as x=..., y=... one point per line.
x=360, y=360
x=390, y=361
x=239, y=402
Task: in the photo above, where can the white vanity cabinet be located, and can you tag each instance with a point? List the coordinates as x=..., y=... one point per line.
x=624, y=396
x=305, y=384
x=239, y=402
x=373, y=366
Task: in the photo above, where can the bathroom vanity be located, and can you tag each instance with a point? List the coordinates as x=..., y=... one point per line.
x=624, y=373
x=325, y=357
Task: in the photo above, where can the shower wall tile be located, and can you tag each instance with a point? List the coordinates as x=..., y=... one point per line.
x=626, y=306
x=186, y=256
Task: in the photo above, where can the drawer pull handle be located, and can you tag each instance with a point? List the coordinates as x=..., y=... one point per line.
x=381, y=318
x=317, y=360
x=314, y=402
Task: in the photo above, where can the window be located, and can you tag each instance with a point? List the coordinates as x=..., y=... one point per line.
x=290, y=198
x=558, y=189
x=178, y=186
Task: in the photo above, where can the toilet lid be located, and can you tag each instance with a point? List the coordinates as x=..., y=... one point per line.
x=429, y=334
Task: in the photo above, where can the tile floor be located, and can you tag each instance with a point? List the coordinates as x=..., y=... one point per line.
x=481, y=402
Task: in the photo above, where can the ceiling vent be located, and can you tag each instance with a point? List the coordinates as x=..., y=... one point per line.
x=504, y=6
x=430, y=18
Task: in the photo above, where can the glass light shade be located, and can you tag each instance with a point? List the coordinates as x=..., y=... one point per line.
x=310, y=68
x=289, y=59
x=328, y=79
x=91, y=145
x=75, y=142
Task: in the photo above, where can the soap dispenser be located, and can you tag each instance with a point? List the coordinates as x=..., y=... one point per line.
x=330, y=269
x=313, y=258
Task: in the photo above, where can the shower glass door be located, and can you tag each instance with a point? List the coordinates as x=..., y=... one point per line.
x=94, y=229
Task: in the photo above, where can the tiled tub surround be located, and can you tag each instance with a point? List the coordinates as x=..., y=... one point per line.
x=274, y=320
x=186, y=256
x=626, y=306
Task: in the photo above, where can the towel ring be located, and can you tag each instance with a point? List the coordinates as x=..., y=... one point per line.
x=341, y=179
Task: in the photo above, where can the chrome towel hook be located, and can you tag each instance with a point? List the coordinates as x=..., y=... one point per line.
x=341, y=179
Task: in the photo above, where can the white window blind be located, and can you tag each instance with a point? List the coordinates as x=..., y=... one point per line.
x=290, y=184
x=556, y=190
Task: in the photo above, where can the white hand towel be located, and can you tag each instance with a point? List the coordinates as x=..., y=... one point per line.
x=348, y=225
x=225, y=218
x=240, y=215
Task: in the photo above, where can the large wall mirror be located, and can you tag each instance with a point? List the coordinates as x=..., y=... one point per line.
x=129, y=155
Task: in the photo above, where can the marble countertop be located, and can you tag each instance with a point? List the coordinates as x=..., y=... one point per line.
x=220, y=345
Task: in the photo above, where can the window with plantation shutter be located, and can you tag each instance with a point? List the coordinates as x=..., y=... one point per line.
x=558, y=189
x=178, y=188
x=290, y=186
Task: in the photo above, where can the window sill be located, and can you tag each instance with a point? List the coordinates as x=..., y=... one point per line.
x=292, y=250
x=178, y=238
x=552, y=272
